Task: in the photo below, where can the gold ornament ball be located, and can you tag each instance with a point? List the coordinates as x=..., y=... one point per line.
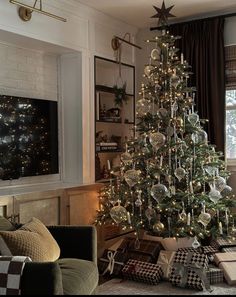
x=158, y=227
x=179, y=122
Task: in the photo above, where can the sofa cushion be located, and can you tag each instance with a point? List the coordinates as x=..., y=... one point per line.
x=79, y=277
x=33, y=240
x=6, y=225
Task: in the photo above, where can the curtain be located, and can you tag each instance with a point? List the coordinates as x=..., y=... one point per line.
x=202, y=44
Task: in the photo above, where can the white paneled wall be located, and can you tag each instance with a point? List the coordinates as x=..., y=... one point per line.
x=27, y=73
x=52, y=60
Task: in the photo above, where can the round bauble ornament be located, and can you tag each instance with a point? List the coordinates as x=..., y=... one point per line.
x=197, y=187
x=132, y=177
x=170, y=131
x=158, y=227
x=202, y=136
x=179, y=122
x=157, y=139
x=159, y=191
x=118, y=214
x=148, y=70
x=143, y=107
x=180, y=173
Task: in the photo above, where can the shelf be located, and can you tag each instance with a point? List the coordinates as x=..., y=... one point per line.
x=110, y=151
x=114, y=122
x=106, y=89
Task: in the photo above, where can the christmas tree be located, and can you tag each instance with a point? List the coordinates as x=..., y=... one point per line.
x=172, y=182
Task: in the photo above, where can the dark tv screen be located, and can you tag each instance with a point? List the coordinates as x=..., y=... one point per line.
x=28, y=137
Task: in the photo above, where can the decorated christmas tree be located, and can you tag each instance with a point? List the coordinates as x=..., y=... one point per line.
x=172, y=182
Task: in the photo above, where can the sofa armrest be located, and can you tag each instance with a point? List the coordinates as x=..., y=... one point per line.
x=76, y=241
x=41, y=278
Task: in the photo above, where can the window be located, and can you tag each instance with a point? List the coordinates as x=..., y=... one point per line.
x=230, y=127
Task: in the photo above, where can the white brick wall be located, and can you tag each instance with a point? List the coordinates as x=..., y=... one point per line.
x=28, y=73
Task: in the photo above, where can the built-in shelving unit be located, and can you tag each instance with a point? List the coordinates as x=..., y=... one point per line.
x=113, y=122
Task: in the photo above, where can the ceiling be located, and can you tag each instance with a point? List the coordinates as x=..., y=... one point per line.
x=138, y=12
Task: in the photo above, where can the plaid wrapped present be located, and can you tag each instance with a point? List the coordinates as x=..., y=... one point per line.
x=165, y=260
x=148, y=250
x=112, y=262
x=221, y=243
x=142, y=272
x=215, y=275
x=189, y=270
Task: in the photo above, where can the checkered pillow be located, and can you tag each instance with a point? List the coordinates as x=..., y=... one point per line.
x=11, y=269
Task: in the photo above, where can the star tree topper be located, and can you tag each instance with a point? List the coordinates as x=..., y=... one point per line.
x=163, y=14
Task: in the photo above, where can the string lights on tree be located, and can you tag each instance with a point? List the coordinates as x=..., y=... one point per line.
x=172, y=182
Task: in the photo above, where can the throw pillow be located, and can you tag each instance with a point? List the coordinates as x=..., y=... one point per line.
x=6, y=225
x=33, y=240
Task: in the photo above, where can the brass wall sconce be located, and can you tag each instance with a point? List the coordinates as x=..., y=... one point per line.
x=25, y=11
x=115, y=42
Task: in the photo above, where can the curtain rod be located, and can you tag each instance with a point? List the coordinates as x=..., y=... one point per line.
x=207, y=18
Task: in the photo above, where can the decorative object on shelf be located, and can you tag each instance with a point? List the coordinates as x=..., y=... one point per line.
x=25, y=11
x=120, y=94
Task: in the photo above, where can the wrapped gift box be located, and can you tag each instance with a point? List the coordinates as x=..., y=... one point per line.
x=165, y=260
x=229, y=249
x=221, y=243
x=142, y=272
x=227, y=262
x=215, y=275
x=146, y=248
x=189, y=270
x=112, y=262
x=207, y=250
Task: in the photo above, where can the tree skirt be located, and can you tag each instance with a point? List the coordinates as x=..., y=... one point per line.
x=126, y=287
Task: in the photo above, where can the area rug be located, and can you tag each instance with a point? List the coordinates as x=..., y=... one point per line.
x=125, y=287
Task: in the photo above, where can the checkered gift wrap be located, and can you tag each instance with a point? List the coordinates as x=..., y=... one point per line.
x=142, y=272
x=215, y=275
x=11, y=270
x=112, y=262
x=207, y=250
x=221, y=243
x=147, y=247
x=189, y=270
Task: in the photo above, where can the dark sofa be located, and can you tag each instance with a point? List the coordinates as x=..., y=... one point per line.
x=74, y=273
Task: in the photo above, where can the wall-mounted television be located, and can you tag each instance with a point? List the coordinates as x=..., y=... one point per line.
x=28, y=137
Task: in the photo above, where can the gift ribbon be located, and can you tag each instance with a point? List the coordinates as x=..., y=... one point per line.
x=184, y=268
x=111, y=262
x=166, y=263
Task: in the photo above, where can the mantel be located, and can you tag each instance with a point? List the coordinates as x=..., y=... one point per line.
x=19, y=190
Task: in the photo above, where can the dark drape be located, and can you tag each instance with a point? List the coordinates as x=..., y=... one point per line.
x=202, y=44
